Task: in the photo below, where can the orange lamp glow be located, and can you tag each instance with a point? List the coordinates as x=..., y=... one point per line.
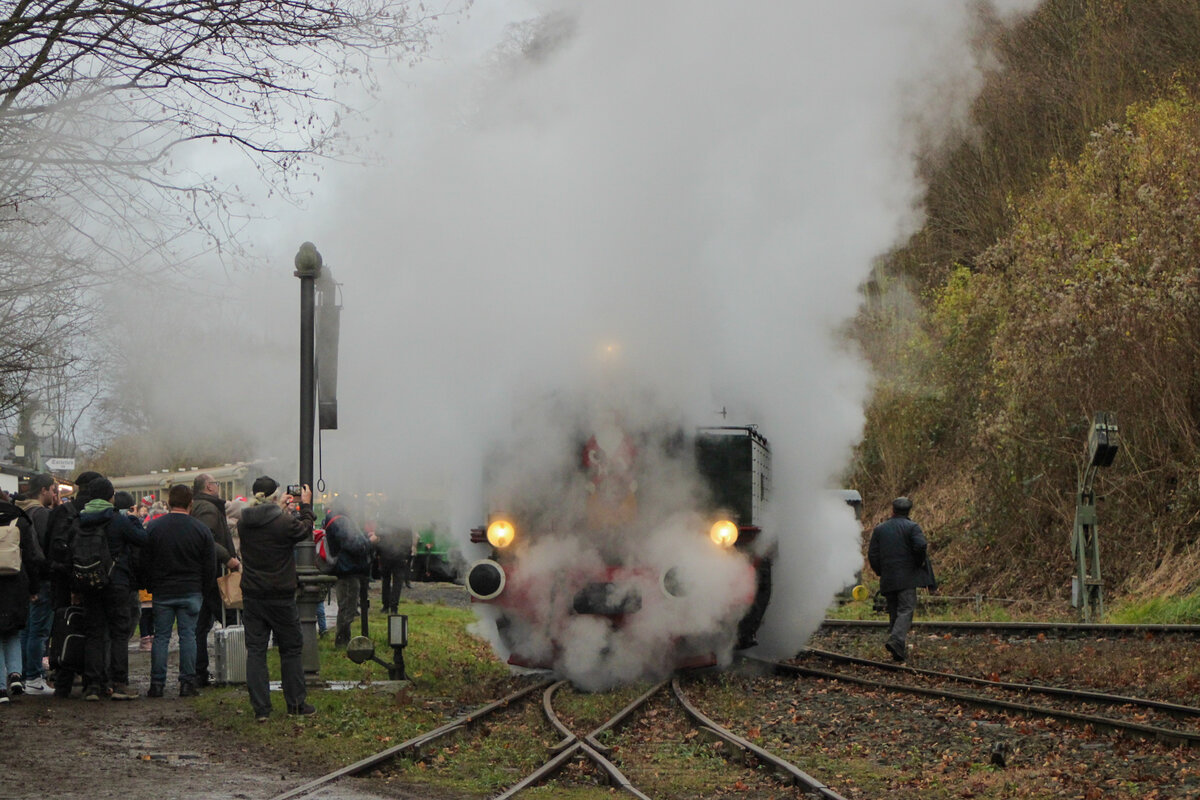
x=723, y=533
x=501, y=533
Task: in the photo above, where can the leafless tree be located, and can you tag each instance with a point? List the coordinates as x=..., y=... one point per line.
x=103, y=108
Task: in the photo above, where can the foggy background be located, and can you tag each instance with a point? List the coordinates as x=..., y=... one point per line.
x=703, y=186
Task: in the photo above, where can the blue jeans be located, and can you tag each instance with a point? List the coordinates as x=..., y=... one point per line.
x=36, y=631
x=168, y=611
x=10, y=656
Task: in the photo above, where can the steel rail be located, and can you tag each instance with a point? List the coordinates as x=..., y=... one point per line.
x=1065, y=628
x=573, y=745
x=414, y=744
x=798, y=776
x=1033, y=688
x=1102, y=723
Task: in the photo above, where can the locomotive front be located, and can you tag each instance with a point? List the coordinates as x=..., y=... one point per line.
x=655, y=564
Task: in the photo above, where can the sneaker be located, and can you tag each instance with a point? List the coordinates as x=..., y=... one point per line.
x=92, y=693
x=307, y=709
x=3, y=696
x=897, y=655
x=121, y=691
x=156, y=690
x=262, y=718
x=38, y=685
x=147, y=644
x=15, y=687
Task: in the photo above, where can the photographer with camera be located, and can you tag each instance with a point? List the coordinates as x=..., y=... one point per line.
x=269, y=534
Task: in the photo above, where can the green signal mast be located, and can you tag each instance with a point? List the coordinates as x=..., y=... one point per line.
x=1087, y=589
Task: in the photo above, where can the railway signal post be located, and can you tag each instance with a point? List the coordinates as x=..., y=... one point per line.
x=1087, y=589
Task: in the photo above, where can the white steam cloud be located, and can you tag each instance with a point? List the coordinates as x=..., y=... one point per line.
x=703, y=185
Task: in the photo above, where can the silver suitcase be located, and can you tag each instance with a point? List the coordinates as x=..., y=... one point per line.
x=229, y=655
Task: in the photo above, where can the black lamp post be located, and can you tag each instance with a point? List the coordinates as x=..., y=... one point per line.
x=313, y=585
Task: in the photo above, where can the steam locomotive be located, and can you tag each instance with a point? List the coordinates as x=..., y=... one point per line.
x=640, y=554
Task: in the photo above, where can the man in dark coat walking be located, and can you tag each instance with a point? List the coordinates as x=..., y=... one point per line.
x=897, y=555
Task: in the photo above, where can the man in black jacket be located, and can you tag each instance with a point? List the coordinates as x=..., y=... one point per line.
x=269, y=535
x=897, y=555
x=182, y=563
x=209, y=508
x=106, y=608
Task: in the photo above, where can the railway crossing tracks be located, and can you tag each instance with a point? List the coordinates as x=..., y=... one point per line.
x=575, y=745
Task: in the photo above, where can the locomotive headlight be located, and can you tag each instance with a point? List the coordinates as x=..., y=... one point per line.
x=501, y=533
x=723, y=533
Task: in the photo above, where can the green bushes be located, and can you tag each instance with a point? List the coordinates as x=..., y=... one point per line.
x=1089, y=301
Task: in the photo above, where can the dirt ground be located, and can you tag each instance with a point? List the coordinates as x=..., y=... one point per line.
x=144, y=749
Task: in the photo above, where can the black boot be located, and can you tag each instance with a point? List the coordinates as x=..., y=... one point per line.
x=188, y=689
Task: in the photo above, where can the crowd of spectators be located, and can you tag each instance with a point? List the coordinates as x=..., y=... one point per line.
x=84, y=572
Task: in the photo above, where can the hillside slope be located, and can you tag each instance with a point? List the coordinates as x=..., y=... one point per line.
x=1063, y=279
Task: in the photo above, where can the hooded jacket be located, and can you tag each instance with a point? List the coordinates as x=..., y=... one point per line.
x=122, y=535
x=269, y=538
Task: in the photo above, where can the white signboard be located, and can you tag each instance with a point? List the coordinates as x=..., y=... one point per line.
x=60, y=464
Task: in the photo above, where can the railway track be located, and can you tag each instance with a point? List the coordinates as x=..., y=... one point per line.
x=1048, y=629
x=1173, y=723
x=413, y=746
x=575, y=745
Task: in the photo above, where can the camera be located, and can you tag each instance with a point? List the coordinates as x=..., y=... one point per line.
x=294, y=489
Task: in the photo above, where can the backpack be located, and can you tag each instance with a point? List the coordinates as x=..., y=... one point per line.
x=10, y=546
x=91, y=562
x=351, y=549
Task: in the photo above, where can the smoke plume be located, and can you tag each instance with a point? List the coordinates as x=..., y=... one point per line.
x=700, y=188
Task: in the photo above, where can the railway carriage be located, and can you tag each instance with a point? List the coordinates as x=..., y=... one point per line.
x=235, y=480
